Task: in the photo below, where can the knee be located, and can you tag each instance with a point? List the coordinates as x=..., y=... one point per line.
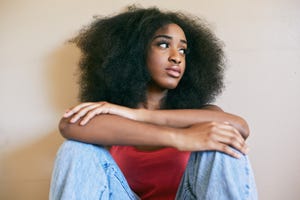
x=209, y=167
x=220, y=156
x=78, y=148
x=226, y=159
x=220, y=160
x=74, y=151
x=75, y=148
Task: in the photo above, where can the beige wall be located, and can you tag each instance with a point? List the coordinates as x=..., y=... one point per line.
x=37, y=83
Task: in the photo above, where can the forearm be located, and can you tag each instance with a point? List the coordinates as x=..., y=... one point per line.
x=170, y=118
x=185, y=118
x=115, y=130
x=186, y=130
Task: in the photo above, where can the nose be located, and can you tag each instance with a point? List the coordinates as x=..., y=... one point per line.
x=175, y=57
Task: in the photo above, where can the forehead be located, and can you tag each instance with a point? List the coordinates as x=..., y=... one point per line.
x=171, y=29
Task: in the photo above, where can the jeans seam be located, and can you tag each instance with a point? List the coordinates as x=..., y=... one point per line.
x=106, y=166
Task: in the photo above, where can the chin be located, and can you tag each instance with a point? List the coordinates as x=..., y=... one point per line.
x=167, y=84
x=171, y=86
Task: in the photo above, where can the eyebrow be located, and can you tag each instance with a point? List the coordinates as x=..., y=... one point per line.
x=168, y=37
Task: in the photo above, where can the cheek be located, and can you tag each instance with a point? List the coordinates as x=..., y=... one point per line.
x=154, y=62
x=149, y=64
x=183, y=65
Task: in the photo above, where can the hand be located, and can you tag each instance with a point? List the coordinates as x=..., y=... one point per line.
x=212, y=136
x=240, y=124
x=86, y=111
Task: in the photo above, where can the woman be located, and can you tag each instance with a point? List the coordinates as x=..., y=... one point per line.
x=146, y=129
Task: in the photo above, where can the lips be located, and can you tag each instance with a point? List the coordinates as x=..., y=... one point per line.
x=174, y=71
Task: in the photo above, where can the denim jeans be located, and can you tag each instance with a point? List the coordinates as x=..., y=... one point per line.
x=88, y=172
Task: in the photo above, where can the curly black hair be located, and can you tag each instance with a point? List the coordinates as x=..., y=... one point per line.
x=113, y=63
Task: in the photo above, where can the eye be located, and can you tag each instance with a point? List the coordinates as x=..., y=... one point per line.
x=182, y=51
x=163, y=44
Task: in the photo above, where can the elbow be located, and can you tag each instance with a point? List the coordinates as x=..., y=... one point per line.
x=212, y=107
x=64, y=128
x=245, y=128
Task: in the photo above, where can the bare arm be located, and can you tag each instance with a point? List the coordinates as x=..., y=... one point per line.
x=171, y=118
x=186, y=118
x=115, y=130
x=107, y=129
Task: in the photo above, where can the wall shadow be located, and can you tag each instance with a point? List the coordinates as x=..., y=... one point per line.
x=62, y=73
x=27, y=169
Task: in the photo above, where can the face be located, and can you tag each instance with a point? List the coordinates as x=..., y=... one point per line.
x=166, y=56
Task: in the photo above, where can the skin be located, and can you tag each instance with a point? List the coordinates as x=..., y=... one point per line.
x=148, y=127
x=166, y=58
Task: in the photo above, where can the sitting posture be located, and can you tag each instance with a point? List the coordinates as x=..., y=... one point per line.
x=146, y=128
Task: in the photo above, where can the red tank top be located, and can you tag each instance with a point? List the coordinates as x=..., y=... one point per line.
x=151, y=174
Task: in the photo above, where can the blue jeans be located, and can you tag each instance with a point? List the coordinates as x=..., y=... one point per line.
x=87, y=172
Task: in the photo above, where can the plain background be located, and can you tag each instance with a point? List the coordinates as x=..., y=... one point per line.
x=38, y=82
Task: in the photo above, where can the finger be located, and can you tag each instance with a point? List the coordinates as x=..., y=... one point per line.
x=228, y=150
x=90, y=115
x=233, y=142
x=231, y=136
x=102, y=108
x=231, y=131
x=83, y=112
x=75, y=109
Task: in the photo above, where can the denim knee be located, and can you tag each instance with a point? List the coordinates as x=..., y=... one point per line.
x=215, y=175
x=86, y=171
x=82, y=152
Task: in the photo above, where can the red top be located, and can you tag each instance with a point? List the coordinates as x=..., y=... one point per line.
x=151, y=174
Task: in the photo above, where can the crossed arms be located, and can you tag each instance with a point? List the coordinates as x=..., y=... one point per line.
x=203, y=129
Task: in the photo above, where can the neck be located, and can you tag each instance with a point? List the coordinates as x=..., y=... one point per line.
x=154, y=97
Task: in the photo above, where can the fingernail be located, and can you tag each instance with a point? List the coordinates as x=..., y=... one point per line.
x=238, y=155
x=66, y=114
x=247, y=150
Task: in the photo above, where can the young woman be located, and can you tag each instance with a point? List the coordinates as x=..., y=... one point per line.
x=146, y=129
